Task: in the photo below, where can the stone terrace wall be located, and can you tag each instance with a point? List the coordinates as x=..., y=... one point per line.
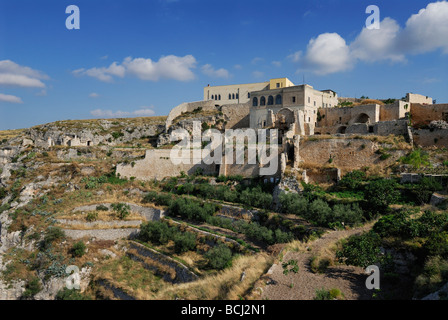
x=424, y=114
x=431, y=138
x=188, y=107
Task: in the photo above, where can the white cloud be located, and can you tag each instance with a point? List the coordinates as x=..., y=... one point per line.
x=427, y=30
x=94, y=95
x=258, y=74
x=168, y=67
x=328, y=53
x=378, y=44
x=238, y=67
x=211, y=72
x=9, y=98
x=256, y=60
x=103, y=74
x=13, y=74
x=424, y=32
x=142, y=112
x=277, y=63
x=296, y=56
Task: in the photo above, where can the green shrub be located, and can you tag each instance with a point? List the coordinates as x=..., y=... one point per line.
x=425, y=188
x=184, y=242
x=32, y=288
x=353, y=180
x=219, y=257
x=417, y=158
x=52, y=234
x=102, y=207
x=293, y=203
x=67, y=294
x=319, y=212
x=381, y=193
x=78, y=249
x=3, y=193
x=437, y=244
x=92, y=216
x=157, y=232
x=122, y=210
x=361, y=250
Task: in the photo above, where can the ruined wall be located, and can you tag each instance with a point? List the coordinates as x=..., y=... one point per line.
x=236, y=115
x=431, y=138
x=158, y=165
x=385, y=128
x=347, y=154
x=188, y=107
x=424, y=114
x=394, y=111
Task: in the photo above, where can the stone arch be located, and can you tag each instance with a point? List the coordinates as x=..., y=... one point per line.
x=255, y=102
x=263, y=101
x=278, y=99
x=270, y=101
x=362, y=118
x=342, y=129
x=285, y=117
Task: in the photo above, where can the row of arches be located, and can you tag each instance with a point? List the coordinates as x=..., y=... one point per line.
x=233, y=96
x=216, y=97
x=270, y=101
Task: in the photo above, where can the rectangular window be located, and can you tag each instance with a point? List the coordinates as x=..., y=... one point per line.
x=314, y=103
x=278, y=85
x=293, y=99
x=309, y=100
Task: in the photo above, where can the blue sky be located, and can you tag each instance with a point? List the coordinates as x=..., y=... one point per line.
x=137, y=58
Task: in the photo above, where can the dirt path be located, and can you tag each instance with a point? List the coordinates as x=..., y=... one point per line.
x=303, y=285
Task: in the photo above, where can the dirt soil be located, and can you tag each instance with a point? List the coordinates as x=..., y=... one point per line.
x=303, y=285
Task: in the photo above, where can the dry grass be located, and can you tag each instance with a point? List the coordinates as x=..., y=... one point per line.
x=226, y=285
x=9, y=134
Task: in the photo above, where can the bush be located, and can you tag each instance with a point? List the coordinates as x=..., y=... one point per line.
x=293, y=203
x=52, y=234
x=184, y=242
x=157, y=232
x=319, y=212
x=333, y=294
x=417, y=158
x=78, y=249
x=361, y=250
x=381, y=193
x=437, y=244
x=66, y=294
x=425, y=188
x=92, y=216
x=219, y=257
x=32, y=288
x=352, y=180
x=102, y=207
x=3, y=193
x=122, y=210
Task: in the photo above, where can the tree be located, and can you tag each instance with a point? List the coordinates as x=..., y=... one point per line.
x=184, y=242
x=361, y=250
x=381, y=193
x=219, y=257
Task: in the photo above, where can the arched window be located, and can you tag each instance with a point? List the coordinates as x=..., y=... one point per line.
x=262, y=101
x=270, y=101
x=219, y=97
x=248, y=95
x=255, y=102
x=278, y=99
x=230, y=96
x=213, y=97
x=237, y=96
x=233, y=96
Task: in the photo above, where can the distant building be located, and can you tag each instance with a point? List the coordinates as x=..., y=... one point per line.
x=418, y=98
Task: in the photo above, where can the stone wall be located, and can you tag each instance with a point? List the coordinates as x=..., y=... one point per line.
x=424, y=114
x=385, y=128
x=394, y=111
x=183, y=274
x=347, y=154
x=431, y=137
x=236, y=115
x=158, y=164
x=188, y=107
